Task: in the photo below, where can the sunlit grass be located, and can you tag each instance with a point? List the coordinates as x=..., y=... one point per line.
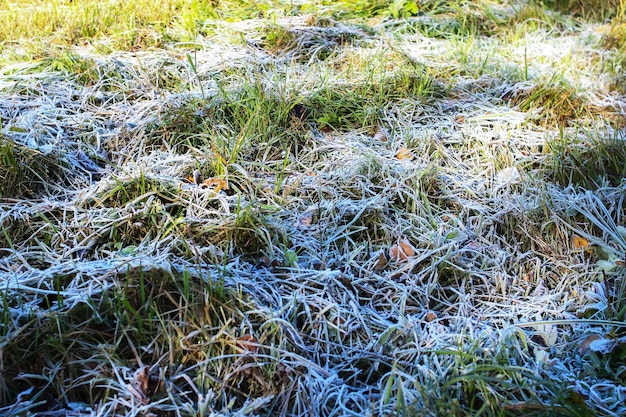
x=312, y=208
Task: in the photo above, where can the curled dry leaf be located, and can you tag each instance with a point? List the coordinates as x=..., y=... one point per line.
x=430, y=316
x=584, y=345
x=381, y=262
x=408, y=249
x=402, y=251
x=304, y=221
x=247, y=343
x=396, y=254
x=380, y=134
x=580, y=242
x=404, y=153
x=473, y=246
x=217, y=184
x=139, y=385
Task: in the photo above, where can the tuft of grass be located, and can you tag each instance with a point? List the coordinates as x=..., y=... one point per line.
x=359, y=105
x=589, y=159
x=552, y=103
x=596, y=10
x=98, y=340
x=533, y=17
x=25, y=172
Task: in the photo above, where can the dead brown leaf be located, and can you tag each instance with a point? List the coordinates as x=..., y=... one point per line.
x=404, y=153
x=395, y=253
x=247, y=343
x=583, y=346
x=380, y=134
x=381, y=262
x=217, y=184
x=305, y=221
x=430, y=316
x=407, y=248
x=139, y=385
x=580, y=242
x=402, y=251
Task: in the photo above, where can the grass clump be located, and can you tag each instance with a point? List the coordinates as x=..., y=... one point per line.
x=134, y=190
x=597, y=10
x=551, y=103
x=587, y=159
x=111, y=327
x=359, y=105
x=26, y=172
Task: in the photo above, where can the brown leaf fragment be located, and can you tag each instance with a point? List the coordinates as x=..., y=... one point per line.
x=396, y=253
x=247, y=343
x=580, y=242
x=407, y=248
x=139, y=385
x=539, y=339
x=404, y=153
x=430, y=316
x=402, y=251
x=304, y=221
x=380, y=134
x=584, y=345
x=381, y=262
x=217, y=184
x=545, y=334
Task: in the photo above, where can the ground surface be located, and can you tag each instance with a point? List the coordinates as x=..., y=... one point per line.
x=312, y=208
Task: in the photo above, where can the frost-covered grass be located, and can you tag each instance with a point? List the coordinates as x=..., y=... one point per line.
x=312, y=208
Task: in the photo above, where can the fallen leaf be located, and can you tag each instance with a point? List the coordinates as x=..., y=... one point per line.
x=401, y=251
x=473, y=245
x=407, y=248
x=217, y=183
x=247, y=343
x=380, y=134
x=404, y=153
x=545, y=335
x=580, y=242
x=430, y=316
x=304, y=221
x=381, y=262
x=583, y=347
x=603, y=345
x=139, y=385
x=396, y=253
